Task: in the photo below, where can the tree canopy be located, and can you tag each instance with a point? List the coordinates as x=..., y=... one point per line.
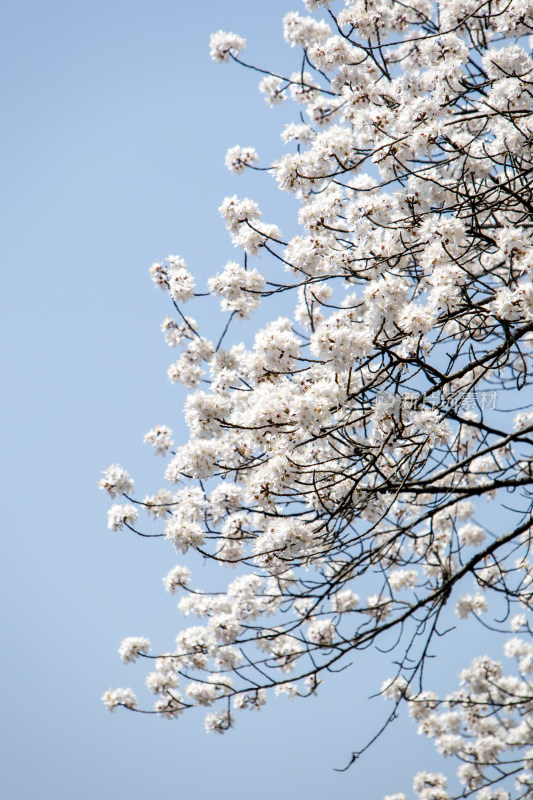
x=365, y=465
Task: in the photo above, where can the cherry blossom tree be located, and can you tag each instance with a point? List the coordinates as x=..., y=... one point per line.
x=365, y=464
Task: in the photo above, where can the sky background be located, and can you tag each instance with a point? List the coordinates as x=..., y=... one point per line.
x=115, y=128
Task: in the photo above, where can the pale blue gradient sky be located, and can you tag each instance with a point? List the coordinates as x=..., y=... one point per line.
x=114, y=131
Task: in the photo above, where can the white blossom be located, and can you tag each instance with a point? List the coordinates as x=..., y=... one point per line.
x=131, y=647
x=302, y=31
x=238, y=158
x=222, y=45
x=120, y=515
x=160, y=437
x=240, y=289
x=116, y=481
x=178, y=578
x=470, y=604
x=273, y=89
x=119, y=697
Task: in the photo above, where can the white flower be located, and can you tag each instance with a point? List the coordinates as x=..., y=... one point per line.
x=176, y=334
x=119, y=697
x=344, y=601
x=160, y=504
x=184, y=533
x=160, y=437
x=377, y=607
x=222, y=44
x=321, y=632
x=175, y=277
x=297, y=132
x=120, y=515
x=432, y=426
x=395, y=689
x=116, y=481
x=225, y=627
x=523, y=420
x=277, y=347
x=303, y=31
x=471, y=534
x=505, y=61
x=517, y=622
x=178, y=578
x=234, y=212
x=312, y=4
x=273, y=89
x=227, y=657
x=340, y=342
x=254, y=700
x=239, y=288
x=450, y=744
x=517, y=648
x=131, y=647
x=288, y=688
x=169, y=706
x=218, y=723
x=238, y=158
x=202, y=694
x=197, y=459
x=161, y=682
x=180, y=281
x=402, y=579
x=430, y=786
x=469, y=604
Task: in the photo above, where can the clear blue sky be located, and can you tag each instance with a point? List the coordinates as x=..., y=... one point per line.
x=115, y=126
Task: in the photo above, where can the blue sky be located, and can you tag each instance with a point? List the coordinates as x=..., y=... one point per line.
x=115, y=127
